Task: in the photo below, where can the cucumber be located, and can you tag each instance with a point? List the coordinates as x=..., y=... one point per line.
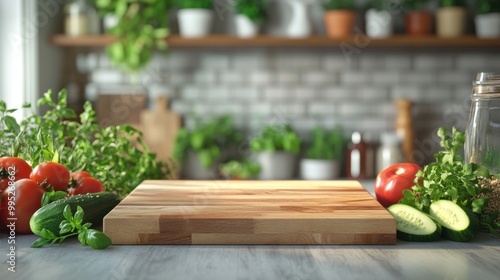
x=94, y=205
x=459, y=223
x=413, y=224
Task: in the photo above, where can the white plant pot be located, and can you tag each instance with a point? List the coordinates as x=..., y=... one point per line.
x=317, y=169
x=195, y=22
x=245, y=28
x=379, y=24
x=193, y=170
x=488, y=25
x=276, y=165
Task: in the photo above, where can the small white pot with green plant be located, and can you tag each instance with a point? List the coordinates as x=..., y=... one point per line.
x=250, y=15
x=379, y=20
x=244, y=169
x=323, y=158
x=487, y=18
x=275, y=150
x=199, y=150
x=195, y=18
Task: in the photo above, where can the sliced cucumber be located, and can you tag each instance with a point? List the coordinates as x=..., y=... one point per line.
x=459, y=223
x=413, y=224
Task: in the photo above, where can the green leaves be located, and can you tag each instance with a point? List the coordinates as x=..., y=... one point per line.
x=276, y=138
x=448, y=177
x=206, y=139
x=109, y=153
x=142, y=26
x=255, y=10
x=327, y=144
x=71, y=226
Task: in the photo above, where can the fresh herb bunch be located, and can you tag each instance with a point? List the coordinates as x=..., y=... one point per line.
x=206, y=140
x=254, y=10
x=487, y=6
x=276, y=138
x=448, y=177
x=79, y=143
x=142, y=26
x=415, y=5
x=71, y=226
x=453, y=3
x=339, y=5
x=329, y=145
x=243, y=169
x=194, y=4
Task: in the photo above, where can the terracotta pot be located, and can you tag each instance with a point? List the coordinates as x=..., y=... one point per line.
x=339, y=23
x=451, y=21
x=419, y=23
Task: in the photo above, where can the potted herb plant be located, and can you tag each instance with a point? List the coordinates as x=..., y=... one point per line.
x=323, y=158
x=195, y=17
x=379, y=21
x=139, y=27
x=275, y=151
x=487, y=18
x=240, y=170
x=199, y=150
x=418, y=20
x=250, y=14
x=451, y=18
x=340, y=17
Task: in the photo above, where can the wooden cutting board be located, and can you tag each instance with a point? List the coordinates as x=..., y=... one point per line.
x=160, y=127
x=250, y=212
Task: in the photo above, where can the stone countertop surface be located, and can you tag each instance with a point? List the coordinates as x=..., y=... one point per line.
x=477, y=259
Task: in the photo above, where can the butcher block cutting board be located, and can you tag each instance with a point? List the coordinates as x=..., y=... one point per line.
x=250, y=212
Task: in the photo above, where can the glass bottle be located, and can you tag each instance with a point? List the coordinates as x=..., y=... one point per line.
x=482, y=136
x=80, y=19
x=390, y=151
x=356, y=157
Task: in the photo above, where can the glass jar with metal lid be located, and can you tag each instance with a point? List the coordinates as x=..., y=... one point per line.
x=482, y=137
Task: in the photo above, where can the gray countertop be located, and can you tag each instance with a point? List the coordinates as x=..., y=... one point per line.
x=478, y=259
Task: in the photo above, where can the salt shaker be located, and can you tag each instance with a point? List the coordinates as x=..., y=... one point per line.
x=482, y=135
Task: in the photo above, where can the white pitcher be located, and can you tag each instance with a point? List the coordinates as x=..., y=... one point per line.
x=299, y=26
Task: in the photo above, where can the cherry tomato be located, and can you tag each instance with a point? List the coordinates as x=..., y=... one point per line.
x=20, y=202
x=51, y=174
x=87, y=185
x=77, y=176
x=391, y=182
x=14, y=166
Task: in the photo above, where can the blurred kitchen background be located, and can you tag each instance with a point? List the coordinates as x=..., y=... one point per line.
x=301, y=79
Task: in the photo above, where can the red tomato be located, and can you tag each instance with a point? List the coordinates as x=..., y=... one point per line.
x=20, y=202
x=87, y=185
x=49, y=174
x=393, y=180
x=4, y=183
x=77, y=176
x=14, y=166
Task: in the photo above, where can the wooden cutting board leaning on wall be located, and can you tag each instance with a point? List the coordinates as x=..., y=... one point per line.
x=250, y=212
x=160, y=127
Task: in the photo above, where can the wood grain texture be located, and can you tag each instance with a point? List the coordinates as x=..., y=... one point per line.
x=250, y=212
x=174, y=41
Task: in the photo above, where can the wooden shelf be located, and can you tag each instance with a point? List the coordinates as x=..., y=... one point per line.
x=469, y=41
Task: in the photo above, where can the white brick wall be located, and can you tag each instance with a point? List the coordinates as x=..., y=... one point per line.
x=311, y=86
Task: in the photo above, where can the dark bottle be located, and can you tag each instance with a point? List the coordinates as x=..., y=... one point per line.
x=356, y=157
